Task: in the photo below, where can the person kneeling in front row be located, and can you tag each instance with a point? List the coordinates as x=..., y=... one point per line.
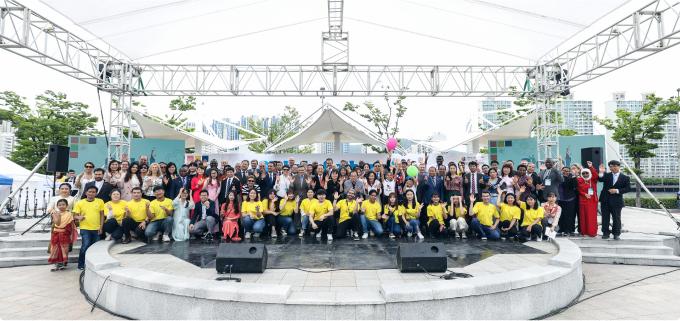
x=457, y=214
x=510, y=213
x=162, y=220
x=483, y=224
x=321, y=215
x=437, y=215
x=204, y=219
x=371, y=211
x=350, y=218
x=533, y=214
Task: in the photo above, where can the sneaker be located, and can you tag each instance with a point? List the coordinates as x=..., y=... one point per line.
x=420, y=236
x=463, y=236
x=55, y=267
x=256, y=234
x=371, y=233
x=283, y=233
x=247, y=235
x=209, y=238
x=409, y=234
x=127, y=240
x=302, y=233
x=81, y=268
x=108, y=237
x=151, y=238
x=166, y=238
x=365, y=236
x=318, y=235
x=391, y=235
x=62, y=266
x=483, y=238
x=330, y=237
x=356, y=236
x=274, y=234
x=539, y=239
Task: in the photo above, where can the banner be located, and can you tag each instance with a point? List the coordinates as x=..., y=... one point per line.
x=352, y=159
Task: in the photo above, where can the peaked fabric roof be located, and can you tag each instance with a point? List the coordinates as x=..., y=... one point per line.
x=322, y=129
x=153, y=129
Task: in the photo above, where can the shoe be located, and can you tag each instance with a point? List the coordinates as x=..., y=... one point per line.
x=539, y=239
x=391, y=235
x=283, y=233
x=55, y=267
x=616, y=237
x=166, y=238
x=365, y=236
x=533, y=237
x=256, y=234
x=318, y=235
x=247, y=235
x=604, y=237
x=274, y=234
x=545, y=237
x=409, y=234
x=463, y=236
x=81, y=268
x=151, y=238
x=420, y=236
x=371, y=233
x=209, y=238
x=330, y=237
x=356, y=236
x=127, y=240
x=572, y=234
x=108, y=237
x=302, y=233
x=62, y=266
x=483, y=238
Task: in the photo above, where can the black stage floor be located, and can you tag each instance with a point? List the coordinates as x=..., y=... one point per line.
x=293, y=252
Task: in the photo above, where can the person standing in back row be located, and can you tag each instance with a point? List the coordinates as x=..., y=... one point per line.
x=611, y=198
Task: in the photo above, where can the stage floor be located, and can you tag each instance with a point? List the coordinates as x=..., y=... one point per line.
x=308, y=252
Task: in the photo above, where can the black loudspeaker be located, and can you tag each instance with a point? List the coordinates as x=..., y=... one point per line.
x=243, y=258
x=593, y=154
x=57, y=158
x=430, y=256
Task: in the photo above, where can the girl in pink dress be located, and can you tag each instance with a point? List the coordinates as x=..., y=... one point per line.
x=230, y=215
x=213, y=185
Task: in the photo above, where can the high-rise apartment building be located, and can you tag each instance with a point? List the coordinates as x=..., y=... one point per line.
x=7, y=139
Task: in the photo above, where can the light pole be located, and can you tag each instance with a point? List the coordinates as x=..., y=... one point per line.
x=677, y=125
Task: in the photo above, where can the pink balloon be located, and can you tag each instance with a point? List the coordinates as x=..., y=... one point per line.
x=391, y=143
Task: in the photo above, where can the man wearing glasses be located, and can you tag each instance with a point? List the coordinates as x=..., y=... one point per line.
x=250, y=185
x=213, y=166
x=254, y=170
x=283, y=182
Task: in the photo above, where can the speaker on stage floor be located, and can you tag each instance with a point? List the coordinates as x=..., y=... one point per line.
x=430, y=256
x=244, y=258
x=593, y=154
x=57, y=158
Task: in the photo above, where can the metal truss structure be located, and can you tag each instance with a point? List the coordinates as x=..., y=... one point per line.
x=641, y=34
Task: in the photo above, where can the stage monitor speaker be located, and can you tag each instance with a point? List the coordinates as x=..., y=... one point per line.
x=430, y=256
x=243, y=258
x=593, y=154
x=57, y=158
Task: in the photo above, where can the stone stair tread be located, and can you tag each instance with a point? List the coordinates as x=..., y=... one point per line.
x=32, y=260
x=633, y=256
x=625, y=246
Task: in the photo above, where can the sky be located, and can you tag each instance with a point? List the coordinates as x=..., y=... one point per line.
x=397, y=32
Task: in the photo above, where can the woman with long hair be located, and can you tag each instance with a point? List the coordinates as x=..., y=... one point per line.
x=343, y=174
x=230, y=213
x=124, y=167
x=587, y=191
x=170, y=174
x=253, y=219
x=371, y=182
x=84, y=178
x=391, y=214
x=410, y=213
x=183, y=204
x=453, y=183
x=64, y=234
x=511, y=213
x=132, y=179
x=113, y=174
x=153, y=178
x=271, y=211
x=495, y=186
x=508, y=177
x=552, y=213
x=197, y=183
x=213, y=184
x=457, y=213
x=567, y=202
x=531, y=223
x=115, y=209
x=287, y=207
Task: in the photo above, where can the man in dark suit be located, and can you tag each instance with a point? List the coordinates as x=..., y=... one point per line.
x=103, y=187
x=229, y=183
x=204, y=218
x=300, y=183
x=242, y=173
x=473, y=184
x=182, y=181
x=550, y=179
x=431, y=184
x=266, y=180
x=611, y=198
x=421, y=180
x=254, y=170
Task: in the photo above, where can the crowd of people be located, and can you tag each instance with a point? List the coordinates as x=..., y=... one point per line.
x=256, y=199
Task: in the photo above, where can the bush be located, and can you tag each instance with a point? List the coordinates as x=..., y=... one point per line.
x=648, y=202
x=656, y=181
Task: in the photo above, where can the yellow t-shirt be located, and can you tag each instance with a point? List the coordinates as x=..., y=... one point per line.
x=320, y=209
x=92, y=212
x=435, y=212
x=306, y=204
x=118, y=210
x=485, y=213
x=410, y=213
x=248, y=207
x=456, y=210
x=137, y=209
x=288, y=209
x=157, y=211
x=397, y=212
x=509, y=212
x=531, y=215
x=346, y=209
x=266, y=206
x=372, y=210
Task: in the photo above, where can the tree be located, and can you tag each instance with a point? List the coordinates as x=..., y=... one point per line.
x=386, y=123
x=180, y=106
x=483, y=150
x=274, y=131
x=52, y=120
x=636, y=129
x=567, y=132
x=522, y=101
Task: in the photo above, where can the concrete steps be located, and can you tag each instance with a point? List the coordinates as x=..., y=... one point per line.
x=638, y=249
x=29, y=249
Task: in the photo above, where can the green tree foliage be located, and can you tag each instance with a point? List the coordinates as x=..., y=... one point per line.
x=483, y=150
x=386, y=122
x=290, y=118
x=51, y=121
x=179, y=106
x=525, y=103
x=567, y=132
x=636, y=130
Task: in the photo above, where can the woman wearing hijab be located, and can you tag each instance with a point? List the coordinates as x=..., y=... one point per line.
x=587, y=191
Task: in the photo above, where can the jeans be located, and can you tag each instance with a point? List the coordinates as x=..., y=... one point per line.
x=253, y=225
x=485, y=230
x=413, y=227
x=393, y=227
x=88, y=237
x=536, y=230
x=305, y=222
x=375, y=226
x=165, y=225
x=286, y=223
x=111, y=226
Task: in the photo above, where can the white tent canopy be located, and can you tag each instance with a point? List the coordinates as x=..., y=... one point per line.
x=329, y=127
x=526, y=29
x=155, y=129
x=35, y=185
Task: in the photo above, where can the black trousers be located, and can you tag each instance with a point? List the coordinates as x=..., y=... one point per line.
x=423, y=217
x=130, y=225
x=568, y=218
x=615, y=213
x=269, y=221
x=512, y=232
x=353, y=223
x=325, y=227
x=535, y=230
x=111, y=226
x=434, y=228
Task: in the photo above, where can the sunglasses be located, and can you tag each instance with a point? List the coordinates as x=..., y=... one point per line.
x=251, y=181
x=164, y=167
x=145, y=168
x=88, y=166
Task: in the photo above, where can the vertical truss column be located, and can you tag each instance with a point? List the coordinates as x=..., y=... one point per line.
x=546, y=114
x=335, y=43
x=120, y=117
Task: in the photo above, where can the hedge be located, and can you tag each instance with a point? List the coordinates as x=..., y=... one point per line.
x=648, y=202
x=657, y=181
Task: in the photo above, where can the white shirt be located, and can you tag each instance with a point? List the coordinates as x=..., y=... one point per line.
x=615, y=177
x=282, y=186
x=99, y=185
x=203, y=211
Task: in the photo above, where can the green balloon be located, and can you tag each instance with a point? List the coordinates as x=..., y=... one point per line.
x=412, y=171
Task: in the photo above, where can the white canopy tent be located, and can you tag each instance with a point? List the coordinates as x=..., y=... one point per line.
x=329, y=127
x=157, y=129
x=36, y=185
